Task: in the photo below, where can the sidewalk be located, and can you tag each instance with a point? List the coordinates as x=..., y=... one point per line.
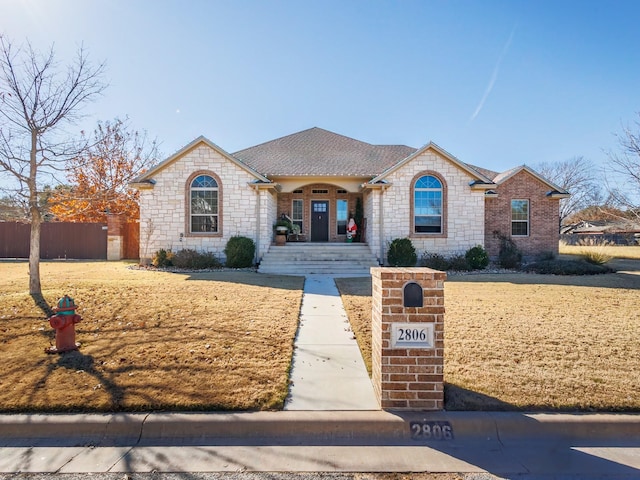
x=504, y=444
x=328, y=372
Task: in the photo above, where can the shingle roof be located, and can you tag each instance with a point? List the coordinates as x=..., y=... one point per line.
x=319, y=152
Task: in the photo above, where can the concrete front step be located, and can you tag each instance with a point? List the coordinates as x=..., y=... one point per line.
x=322, y=258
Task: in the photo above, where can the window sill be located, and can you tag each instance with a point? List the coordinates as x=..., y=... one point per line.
x=204, y=234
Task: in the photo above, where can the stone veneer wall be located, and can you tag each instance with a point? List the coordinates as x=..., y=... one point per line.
x=465, y=217
x=163, y=210
x=407, y=378
x=544, y=216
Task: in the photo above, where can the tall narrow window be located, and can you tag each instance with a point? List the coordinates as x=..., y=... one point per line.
x=519, y=218
x=427, y=205
x=204, y=204
x=297, y=209
x=341, y=216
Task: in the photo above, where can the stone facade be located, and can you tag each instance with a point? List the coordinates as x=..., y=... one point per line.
x=164, y=222
x=544, y=214
x=250, y=202
x=464, y=208
x=408, y=378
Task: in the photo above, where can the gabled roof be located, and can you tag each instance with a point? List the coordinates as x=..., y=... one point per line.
x=504, y=176
x=319, y=152
x=147, y=177
x=472, y=171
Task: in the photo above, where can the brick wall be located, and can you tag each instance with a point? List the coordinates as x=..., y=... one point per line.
x=285, y=206
x=407, y=378
x=543, y=216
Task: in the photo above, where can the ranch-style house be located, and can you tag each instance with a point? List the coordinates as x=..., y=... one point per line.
x=202, y=195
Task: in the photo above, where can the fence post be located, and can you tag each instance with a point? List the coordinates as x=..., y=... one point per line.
x=115, y=243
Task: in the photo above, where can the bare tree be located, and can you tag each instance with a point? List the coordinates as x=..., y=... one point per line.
x=38, y=102
x=623, y=175
x=576, y=175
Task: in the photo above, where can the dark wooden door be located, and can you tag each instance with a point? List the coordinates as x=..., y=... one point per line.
x=319, y=221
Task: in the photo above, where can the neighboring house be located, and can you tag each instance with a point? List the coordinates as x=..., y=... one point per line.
x=202, y=195
x=620, y=232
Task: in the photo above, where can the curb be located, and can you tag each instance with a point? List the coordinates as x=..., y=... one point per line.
x=312, y=428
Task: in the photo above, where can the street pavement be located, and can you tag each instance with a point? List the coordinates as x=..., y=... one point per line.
x=347, y=439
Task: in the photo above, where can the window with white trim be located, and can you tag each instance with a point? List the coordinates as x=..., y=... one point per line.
x=203, y=194
x=519, y=218
x=427, y=205
x=297, y=211
x=341, y=216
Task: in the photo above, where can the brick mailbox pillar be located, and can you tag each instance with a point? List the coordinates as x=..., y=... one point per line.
x=408, y=338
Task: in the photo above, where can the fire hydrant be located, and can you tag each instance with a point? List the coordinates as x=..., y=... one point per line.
x=64, y=324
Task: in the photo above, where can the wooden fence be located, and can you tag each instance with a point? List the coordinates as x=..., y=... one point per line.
x=131, y=240
x=57, y=240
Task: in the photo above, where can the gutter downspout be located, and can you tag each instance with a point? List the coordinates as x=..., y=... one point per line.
x=381, y=232
x=258, y=226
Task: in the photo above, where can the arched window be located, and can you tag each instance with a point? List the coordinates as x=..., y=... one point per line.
x=204, y=204
x=428, y=194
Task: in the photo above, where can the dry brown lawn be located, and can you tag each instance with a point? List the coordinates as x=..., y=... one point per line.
x=632, y=252
x=150, y=340
x=533, y=342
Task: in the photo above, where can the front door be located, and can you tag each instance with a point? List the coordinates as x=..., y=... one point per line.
x=319, y=221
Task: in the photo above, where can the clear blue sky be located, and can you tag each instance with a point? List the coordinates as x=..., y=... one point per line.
x=495, y=83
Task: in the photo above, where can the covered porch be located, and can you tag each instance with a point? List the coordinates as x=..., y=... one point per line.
x=321, y=212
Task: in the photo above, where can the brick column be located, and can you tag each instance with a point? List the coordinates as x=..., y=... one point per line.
x=408, y=341
x=115, y=244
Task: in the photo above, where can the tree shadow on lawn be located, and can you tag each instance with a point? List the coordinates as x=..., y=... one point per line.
x=459, y=398
x=284, y=282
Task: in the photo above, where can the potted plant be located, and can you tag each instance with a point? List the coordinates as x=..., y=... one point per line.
x=282, y=226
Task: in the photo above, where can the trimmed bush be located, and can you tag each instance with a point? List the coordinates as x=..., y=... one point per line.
x=192, y=259
x=240, y=252
x=477, y=258
x=566, y=267
x=435, y=261
x=162, y=258
x=402, y=253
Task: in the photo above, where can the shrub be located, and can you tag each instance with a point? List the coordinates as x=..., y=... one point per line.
x=510, y=255
x=402, y=253
x=162, y=258
x=595, y=257
x=566, y=267
x=459, y=263
x=189, y=258
x=240, y=252
x=435, y=261
x=477, y=258
x=548, y=255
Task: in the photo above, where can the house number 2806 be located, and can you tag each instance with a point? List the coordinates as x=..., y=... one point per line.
x=411, y=335
x=431, y=431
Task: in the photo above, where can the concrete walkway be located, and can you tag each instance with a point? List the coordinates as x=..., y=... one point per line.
x=328, y=372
